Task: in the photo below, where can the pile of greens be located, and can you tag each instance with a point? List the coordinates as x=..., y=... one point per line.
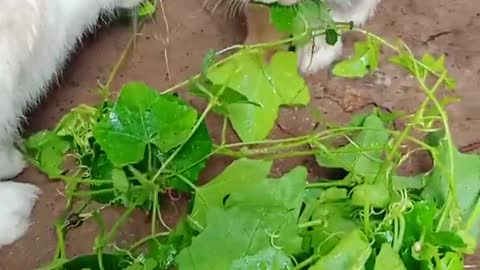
x=146, y=143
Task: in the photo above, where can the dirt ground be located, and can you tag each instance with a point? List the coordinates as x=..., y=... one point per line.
x=437, y=26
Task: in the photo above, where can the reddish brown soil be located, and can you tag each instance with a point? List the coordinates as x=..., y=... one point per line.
x=437, y=26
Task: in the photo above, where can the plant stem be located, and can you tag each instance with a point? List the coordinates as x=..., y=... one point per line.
x=312, y=223
x=146, y=239
x=118, y=224
x=401, y=233
x=307, y=262
x=327, y=184
x=154, y=211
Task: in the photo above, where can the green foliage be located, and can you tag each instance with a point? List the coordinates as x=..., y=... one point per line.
x=131, y=150
x=141, y=117
x=268, y=85
x=364, y=61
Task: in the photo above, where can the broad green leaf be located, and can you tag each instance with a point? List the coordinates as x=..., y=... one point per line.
x=240, y=174
x=244, y=218
x=388, y=259
x=418, y=222
x=224, y=95
x=283, y=18
x=234, y=233
x=190, y=160
x=364, y=155
x=351, y=253
x=364, y=61
x=336, y=222
x=142, y=116
x=465, y=173
x=269, y=85
x=47, y=151
x=267, y=259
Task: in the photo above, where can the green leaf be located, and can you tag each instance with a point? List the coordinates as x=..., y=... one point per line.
x=352, y=252
x=389, y=259
x=360, y=157
x=47, y=151
x=269, y=85
x=266, y=259
x=243, y=219
x=377, y=195
x=365, y=60
x=336, y=222
x=283, y=18
x=240, y=174
x=419, y=222
x=141, y=116
x=227, y=96
x=428, y=65
x=465, y=173
x=78, y=125
x=147, y=8
x=331, y=36
x=452, y=261
x=445, y=239
x=101, y=169
x=190, y=160
x=234, y=233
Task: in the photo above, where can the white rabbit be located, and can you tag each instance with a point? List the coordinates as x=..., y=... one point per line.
x=36, y=37
x=317, y=54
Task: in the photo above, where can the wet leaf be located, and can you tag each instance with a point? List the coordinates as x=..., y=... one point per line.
x=142, y=116
x=267, y=259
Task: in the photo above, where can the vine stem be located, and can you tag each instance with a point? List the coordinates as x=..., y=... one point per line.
x=313, y=223
x=148, y=238
x=113, y=232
